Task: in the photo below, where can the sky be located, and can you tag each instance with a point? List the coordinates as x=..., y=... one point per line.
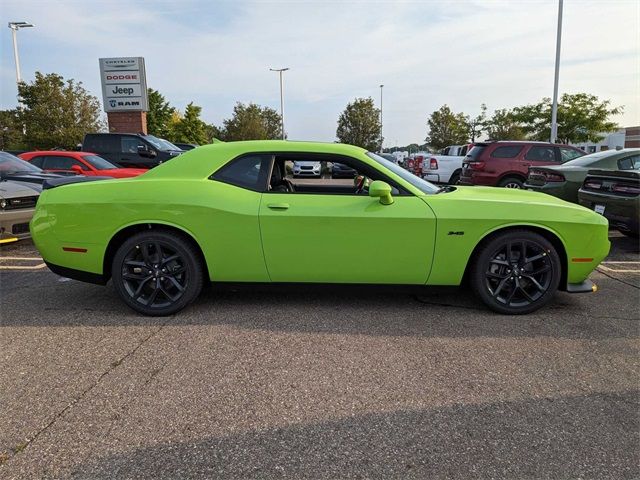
x=426, y=53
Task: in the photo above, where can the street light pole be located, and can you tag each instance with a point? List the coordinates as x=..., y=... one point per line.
x=15, y=26
x=381, y=139
x=280, y=70
x=554, y=108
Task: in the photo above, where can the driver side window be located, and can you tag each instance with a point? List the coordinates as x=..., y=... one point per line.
x=321, y=174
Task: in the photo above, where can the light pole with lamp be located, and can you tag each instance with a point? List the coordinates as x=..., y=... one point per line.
x=381, y=140
x=15, y=26
x=280, y=70
x=554, y=108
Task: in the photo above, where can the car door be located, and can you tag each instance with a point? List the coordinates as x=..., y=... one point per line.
x=325, y=233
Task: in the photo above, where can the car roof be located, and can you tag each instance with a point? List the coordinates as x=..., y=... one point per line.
x=204, y=160
x=61, y=153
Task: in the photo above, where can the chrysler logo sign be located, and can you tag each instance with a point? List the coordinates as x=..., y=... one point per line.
x=124, y=85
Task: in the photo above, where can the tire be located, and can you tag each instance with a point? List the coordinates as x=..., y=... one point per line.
x=455, y=178
x=629, y=233
x=511, y=182
x=157, y=285
x=510, y=284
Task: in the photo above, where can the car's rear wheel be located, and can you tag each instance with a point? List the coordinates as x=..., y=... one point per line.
x=455, y=178
x=157, y=272
x=516, y=272
x=511, y=182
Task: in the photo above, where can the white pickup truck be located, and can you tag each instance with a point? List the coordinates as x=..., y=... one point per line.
x=446, y=166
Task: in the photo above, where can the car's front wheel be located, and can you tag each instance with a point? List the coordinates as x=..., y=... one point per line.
x=516, y=272
x=157, y=272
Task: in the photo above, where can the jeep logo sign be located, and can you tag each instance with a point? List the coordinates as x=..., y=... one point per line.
x=124, y=84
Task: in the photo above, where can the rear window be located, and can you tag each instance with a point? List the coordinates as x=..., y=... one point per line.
x=475, y=152
x=506, y=151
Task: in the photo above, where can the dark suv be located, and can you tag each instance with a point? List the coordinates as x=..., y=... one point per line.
x=506, y=164
x=130, y=150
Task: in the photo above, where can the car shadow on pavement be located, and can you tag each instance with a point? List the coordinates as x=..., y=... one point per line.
x=307, y=309
x=585, y=436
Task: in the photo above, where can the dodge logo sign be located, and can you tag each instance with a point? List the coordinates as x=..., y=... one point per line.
x=124, y=84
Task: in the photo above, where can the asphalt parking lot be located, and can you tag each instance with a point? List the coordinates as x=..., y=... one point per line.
x=317, y=384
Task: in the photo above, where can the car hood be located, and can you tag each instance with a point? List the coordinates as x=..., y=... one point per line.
x=306, y=164
x=508, y=195
x=12, y=189
x=36, y=178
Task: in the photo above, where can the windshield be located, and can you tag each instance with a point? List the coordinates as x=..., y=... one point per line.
x=98, y=163
x=417, y=182
x=11, y=164
x=159, y=143
x=169, y=145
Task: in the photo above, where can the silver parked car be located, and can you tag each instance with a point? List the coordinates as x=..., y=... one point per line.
x=20, y=187
x=307, y=169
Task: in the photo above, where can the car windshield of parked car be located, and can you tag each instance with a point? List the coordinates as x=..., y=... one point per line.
x=159, y=143
x=11, y=164
x=99, y=163
x=168, y=145
x=417, y=182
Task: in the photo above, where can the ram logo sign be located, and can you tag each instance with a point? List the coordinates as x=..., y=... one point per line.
x=124, y=84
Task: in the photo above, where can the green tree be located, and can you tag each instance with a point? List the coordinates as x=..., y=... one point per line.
x=56, y=113
x=159, y=115
x=582, y=117
x=190, y=128
x=11, y=137
x=251, y=122
x=359, y=124
x=477, y=123
x=447, y=128
x=503, y=125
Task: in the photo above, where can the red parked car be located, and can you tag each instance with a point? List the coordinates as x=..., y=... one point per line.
x=506, y=163
x=78, y=163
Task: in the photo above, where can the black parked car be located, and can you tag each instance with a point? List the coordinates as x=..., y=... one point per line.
x=130, y=150
x=339, y=170
x=616, y=195
x=185, y=146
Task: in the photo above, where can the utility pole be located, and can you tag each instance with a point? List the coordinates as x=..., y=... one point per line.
x=554, y=108
x=381, y=138
x=280, y=70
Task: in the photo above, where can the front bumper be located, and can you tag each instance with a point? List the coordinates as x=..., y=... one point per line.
x=15, y=223
x=585, y=287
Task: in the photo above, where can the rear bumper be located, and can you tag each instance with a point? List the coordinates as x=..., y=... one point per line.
x=476, y=179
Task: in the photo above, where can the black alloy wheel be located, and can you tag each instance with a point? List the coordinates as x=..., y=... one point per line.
x=516, y=272
x=157, y=272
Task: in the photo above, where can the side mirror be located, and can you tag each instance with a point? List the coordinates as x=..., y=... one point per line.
x=382, y=190
x=77, y=169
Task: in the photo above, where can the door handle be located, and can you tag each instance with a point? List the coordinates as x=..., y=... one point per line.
x=278, y=206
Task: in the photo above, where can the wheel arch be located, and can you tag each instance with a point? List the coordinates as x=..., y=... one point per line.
x=546, y=232
x=127, y=231
x=512, y=174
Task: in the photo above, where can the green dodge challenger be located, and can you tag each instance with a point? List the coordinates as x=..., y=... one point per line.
x=231, y=212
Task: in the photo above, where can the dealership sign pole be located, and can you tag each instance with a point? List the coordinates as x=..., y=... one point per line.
x=124, y=93
x=554, y=108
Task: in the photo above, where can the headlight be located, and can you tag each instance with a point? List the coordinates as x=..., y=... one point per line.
x=3, y=203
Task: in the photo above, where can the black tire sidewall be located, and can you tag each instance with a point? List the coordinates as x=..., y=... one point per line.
x=194, y=270
x=481, y=263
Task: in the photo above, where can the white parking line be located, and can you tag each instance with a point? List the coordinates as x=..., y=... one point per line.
x=20, y=258
x=24, y=267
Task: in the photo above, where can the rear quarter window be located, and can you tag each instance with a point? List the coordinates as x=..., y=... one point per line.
x=507, y=151
x=629, y=163
x=37, y=161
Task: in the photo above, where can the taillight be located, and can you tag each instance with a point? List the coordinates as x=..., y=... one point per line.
x=628, y=189
x=593, y=185
x=553, y=177
x=433, y=164
x=476, y=165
